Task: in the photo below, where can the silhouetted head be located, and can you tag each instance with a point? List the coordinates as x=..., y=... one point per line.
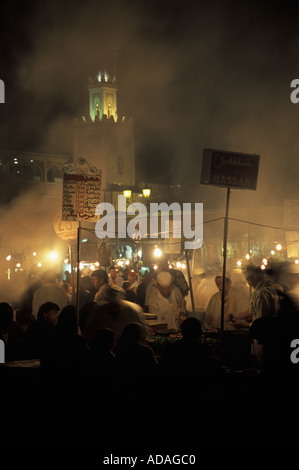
x=67, y=320
x=133, y=333
x=219, y=278
x=49, y=312
x=191, y=329
x=103, y=340
x=113, y=272
x=254, y=275
x=264, y=329
x=6, y=315
x=99, y=277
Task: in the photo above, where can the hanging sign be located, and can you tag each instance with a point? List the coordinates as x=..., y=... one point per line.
x=65, y=230
x=81, y=193
x=229, y=169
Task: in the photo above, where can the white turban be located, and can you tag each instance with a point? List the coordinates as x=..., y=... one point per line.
x=164, y=278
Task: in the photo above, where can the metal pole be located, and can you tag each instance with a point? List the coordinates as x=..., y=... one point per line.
x=78, y=275
x=224, y=264
x=190, y=281
x=72, y=272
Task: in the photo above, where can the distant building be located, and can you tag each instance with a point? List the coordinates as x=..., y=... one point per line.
x=105, y=139
x=20, y=171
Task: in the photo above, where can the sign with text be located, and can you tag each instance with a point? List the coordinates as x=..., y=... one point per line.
x=66, y=230
x=81, y=195
x=229, y=169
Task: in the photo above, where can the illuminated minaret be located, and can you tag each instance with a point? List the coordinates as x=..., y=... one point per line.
x=102, y=97
x=105, y=139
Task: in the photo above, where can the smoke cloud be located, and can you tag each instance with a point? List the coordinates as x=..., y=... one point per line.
x=191, y=76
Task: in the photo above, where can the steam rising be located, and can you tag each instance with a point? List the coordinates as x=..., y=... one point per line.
x=213, y=75
x=28, y=220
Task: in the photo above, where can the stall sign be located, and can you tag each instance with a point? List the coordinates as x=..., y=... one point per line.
x=81, y=196
x=229, y=169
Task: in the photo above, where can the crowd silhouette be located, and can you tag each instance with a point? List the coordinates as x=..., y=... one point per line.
x=102, y=378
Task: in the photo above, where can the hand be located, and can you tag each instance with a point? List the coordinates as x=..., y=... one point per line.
x=238, y=323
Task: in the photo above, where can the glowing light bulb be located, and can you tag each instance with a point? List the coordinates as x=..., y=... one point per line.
x=53, y=256
x=146, y=192
x=157, y=252
x=127, y=193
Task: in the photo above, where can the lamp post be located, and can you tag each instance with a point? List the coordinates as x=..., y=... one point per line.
x=127, y=193
x=146, y=194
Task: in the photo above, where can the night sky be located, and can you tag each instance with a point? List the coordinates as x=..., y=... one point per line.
x=191, y=74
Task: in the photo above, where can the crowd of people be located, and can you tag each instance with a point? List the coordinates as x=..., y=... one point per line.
x=113, y=299
x=106, y=349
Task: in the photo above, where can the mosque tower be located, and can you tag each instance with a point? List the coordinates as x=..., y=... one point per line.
x=105, y=139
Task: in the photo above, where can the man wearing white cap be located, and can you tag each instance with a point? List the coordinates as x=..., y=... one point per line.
x=167, y=301
x=213, y=311
x=204, y=288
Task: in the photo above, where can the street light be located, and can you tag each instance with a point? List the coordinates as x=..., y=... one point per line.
x=146, y=192
x=127, y=193
x=157, y=252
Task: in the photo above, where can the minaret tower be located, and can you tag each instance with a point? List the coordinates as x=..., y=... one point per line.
x=105, y=139
x=102, y=97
